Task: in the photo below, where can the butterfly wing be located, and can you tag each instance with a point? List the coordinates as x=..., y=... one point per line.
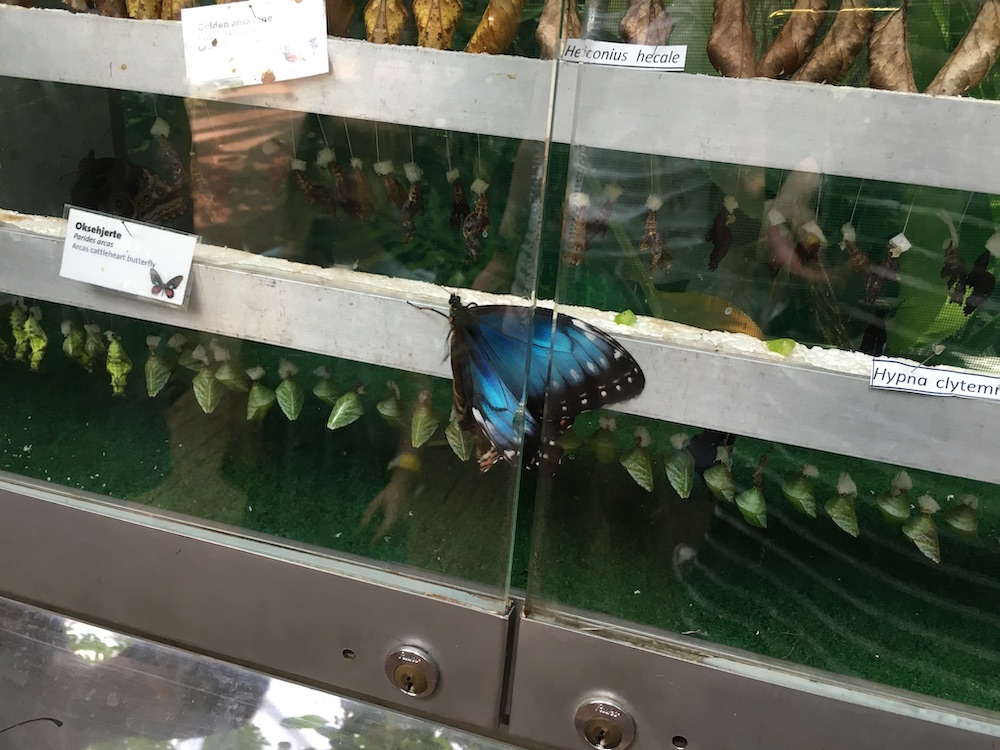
x=157, y=282
x=171, y=286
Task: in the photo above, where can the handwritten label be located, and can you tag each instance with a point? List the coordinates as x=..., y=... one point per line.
x=260, y=41
x=895, y=375
x=625, y=55
x=126, y=256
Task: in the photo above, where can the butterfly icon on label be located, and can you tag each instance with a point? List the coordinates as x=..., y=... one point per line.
x=166, y=288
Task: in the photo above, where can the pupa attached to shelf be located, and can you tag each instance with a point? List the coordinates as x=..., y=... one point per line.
x=477, y=224
x=980, y=282
x=207, y=389
x=38, y=340
x=461, y=442
x=794, y=42
x=261, y=397
x=459, y=203
x=347, y=410
x=391, y=407
x=413, y=206
x=18, y=317
x=652, y=242
x=974, y=56
x=424, y=421
x=894, y=503
x=887, y=270
x=680, y=465
x=719, y=476
x=841, y=508
x=74, y=345
x=637, y=462
x=779, y=243
x=576, y=244
x=362, y=191
x=953, y=272
x=291, y=396
x=646, y=22
x=393, y=187
x=497, y=28
x=730, y=40
x=118, y=365
x=157, y=370
x=798, y=490
x=436, y=22
x=598, y=226
x=921, y=529
x=316, y=193
x=720, y=234
x=227, y=372
x=751, y=501
x=324, y=389
x=166, y=154
x=963, y=517
x=835, y=55
x=385, y=21
x=559, y=18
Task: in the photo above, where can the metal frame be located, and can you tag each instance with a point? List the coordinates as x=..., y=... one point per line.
x=108, y=563
x=890, y=136
x=779, y=401
x=716, y=698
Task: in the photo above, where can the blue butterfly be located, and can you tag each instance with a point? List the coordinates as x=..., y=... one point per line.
x=500, y=353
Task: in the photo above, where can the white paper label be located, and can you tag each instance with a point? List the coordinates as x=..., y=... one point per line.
x=137, y=259
x=260, y=41
x=894, y=375
x=625, y=55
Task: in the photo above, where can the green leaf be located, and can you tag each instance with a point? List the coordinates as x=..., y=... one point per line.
x=639, y=467
x=783, y=347
x=423, y=425
x=157, y=375
x=207, y=390
x=290, y=397
x=460, y=441
x=347, y=410
x=799, y=492
x=922, y=531
x=680, y=472
x=841, y=510
x=894, y=508
x=963, y=519
x=326, y=391
x=752, y=506
x=720, y=482
x=260, y=401
x=626, y=318
x=232, y=377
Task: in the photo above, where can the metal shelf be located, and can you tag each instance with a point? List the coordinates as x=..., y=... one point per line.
x=691, y=381
x=878, y=135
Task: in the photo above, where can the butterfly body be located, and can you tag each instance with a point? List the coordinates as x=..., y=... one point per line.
x=500, y=360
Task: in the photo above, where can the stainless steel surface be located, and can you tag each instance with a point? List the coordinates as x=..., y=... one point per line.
x=896, y=137
x=68, y=685
x=604, y=723
x=344, y=314
x=683, y=693
x=418, y=86
x=413, y=671
x=302, y=616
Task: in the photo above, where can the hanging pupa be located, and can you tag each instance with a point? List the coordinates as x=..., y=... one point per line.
x=156, y=369
x=779, y=242
x=261, y=398
x=94, y=344
x=922, y=531
x=316, y=193
x=576, y=244
x=18, y=317
x=118, y=365
x=424, y=422
x=461, y=442
x=841, y=508
x=603, y=441
x=652, y=242
x=166, y=154
x=363, y=191
x=391, y=407
x=887, y=270
x=324, y=389
x=228, y=373
x=637, y=462
x=598, y=226
x=73, y=346
x=719, y=234
x=477, y=223
x=289, y=393
x=347, y=410
x=38, y=340
x=680, y=465
x=393, y=187
x=980, y=283
x=962, y=517
x=207, y=390
x=798, y=490
x=860, y=263
x=894, y=503
x=810, y=241
x=459, y=203
x=414, y=203
x=751, y=501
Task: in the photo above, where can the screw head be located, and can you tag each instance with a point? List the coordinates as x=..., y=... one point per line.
x=412, y=671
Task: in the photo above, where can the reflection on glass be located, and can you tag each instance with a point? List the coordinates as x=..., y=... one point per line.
x=70, y=686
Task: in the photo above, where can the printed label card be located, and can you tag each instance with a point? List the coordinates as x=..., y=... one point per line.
x=127, y=256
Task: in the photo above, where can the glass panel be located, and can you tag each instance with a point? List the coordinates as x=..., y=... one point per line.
x=866, y=569
x=70, y=685
x=290, y=438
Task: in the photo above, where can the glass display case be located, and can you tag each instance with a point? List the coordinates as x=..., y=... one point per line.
x=608, y=366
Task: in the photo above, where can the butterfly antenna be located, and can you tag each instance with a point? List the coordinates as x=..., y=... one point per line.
x=428, y=309
x=57, y=722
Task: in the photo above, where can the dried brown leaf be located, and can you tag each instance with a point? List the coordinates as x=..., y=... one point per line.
x=730, y=43
x=889, y=64
x=646, y=22
x=497, y=28
x=385, y=21
x=974, y=55
x=143, y=9
x=339, y=14
x=835, y=55
x=795, y=40
x=436, y=22
x=548, y=32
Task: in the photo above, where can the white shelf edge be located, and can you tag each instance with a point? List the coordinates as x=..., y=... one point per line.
x=367, y=318
x=862, y=133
